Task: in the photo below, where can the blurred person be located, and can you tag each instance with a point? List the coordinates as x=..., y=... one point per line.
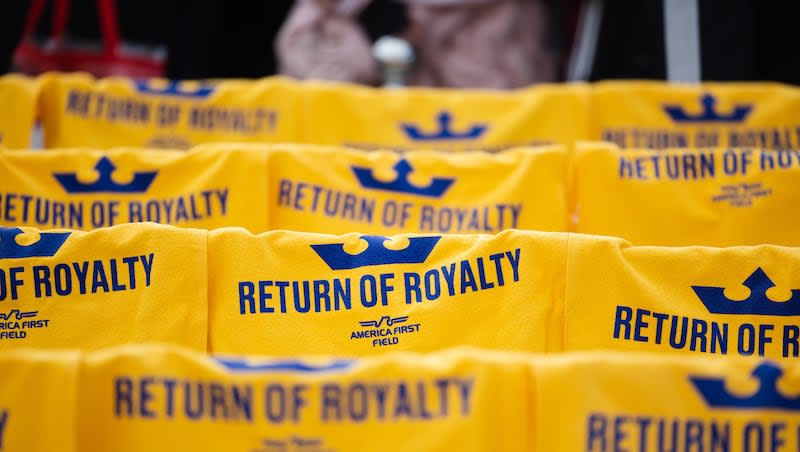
x=482, y=44
x=498, y=44
x=325, y=39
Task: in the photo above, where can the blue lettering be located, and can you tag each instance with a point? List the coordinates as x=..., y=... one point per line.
x=623, y=320
x=147, y=264
x=699, y=331
x=640, y=323
x=115, y=285
x=619, y=434
x=82, y=272
x=122, y=396
x=275, y=403
x=432, y=286
x=514, y=260
x=194, y=410
x=145, y=396
x=263, y=296
x=63, y=279
x=482, y=275
x=411, y=284
x=41, y=280
x=330, y=402
x=625, y=172
x=169, y=386
x=467, y=277
x=747, y=339
x=402, y=404
x=321, y=289
x=246, y=295
x=342, y=294
x=791, y=335
x=217, y=402
x=357, y=402
x=694, y=435
x=386, y=287
x=753, y=430
x=449, y=278
x=368, y=287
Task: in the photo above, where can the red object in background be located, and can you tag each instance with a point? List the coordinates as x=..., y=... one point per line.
x=57, y=54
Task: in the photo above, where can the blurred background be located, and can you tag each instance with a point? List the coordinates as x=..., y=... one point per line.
x=498, y=44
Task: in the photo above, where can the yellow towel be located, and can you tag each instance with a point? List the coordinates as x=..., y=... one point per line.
x=334, y=190
x=453, y=120
x=86, y=189
x=38, y=400
x=165, y=399
x=660, y=115
x=634, y=402
x=288, y=293
x=693, y=300
x=717, y=197
x=88, y=290
x=78, y=110
x=18, y=96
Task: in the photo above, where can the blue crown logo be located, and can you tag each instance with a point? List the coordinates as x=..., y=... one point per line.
x=717, y=396
x=240, y=365
x=173, y=88
x=757, y=303
x=104, y=184
x=444, y=119
x=418, y=250
x=384, y=319
x=709, y=113
x=436, y=189
x=48, y=245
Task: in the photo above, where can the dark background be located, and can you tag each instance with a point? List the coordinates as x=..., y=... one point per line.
x=740, y=39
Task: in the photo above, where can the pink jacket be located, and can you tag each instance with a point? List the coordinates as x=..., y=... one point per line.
x=458, y=43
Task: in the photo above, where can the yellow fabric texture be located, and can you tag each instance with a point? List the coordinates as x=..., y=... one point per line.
x=334, y=190
x=37, y=400
x=691, y=300
x=141, y=398
x=288, y=293
x=659, y=115
x=615, y=402
x=716, y=197
x=450, y=120
x=87, y=189
x=18, y=95
x=78, y=110
x=131, y=283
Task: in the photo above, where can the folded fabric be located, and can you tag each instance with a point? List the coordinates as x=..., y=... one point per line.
x=640, y=402
x=334, y=190
x=87, y=189
x=132, y=283
x=289, y=293
x=659, y=115
x=140, y=398
x=38, y=397
x=19, y=95
x=692, y=300
x=164, y=398
x=718, y=197
x=78, y=110
x=451, y=120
